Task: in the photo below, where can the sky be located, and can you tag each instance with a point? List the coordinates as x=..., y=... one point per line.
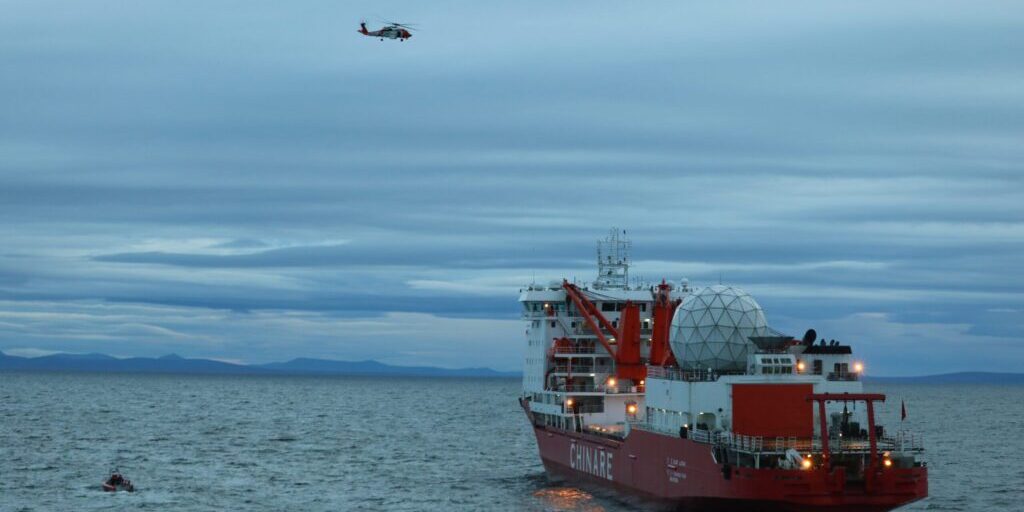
x=255, y=181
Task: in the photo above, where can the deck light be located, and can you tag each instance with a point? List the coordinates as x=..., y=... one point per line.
x=611, y=382
x=858, y=367
x=806, y=463
x=569, y=402
x=642, y=382
x=631, y=408
x=887, y=462
x=800, y=366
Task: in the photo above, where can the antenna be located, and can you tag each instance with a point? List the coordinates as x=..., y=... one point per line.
x=613, y=261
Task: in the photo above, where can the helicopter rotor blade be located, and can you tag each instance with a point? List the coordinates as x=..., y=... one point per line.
x=410, y=26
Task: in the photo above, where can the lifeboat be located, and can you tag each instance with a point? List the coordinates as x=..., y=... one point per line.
x=117, y=482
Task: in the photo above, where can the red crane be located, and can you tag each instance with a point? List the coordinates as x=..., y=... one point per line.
x=628, y=364
x=664, y=309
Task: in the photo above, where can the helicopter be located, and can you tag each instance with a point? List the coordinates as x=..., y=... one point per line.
x=391, y=31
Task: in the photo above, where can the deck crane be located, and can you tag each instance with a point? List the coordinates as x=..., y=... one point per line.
x=664, y=309
x=626, y=353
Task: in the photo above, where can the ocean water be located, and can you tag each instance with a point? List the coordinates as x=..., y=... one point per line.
x=335, y=443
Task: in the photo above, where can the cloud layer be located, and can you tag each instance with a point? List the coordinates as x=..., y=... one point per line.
x=258, y=180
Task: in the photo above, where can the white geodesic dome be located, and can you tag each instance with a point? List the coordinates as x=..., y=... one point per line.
x=712, y=327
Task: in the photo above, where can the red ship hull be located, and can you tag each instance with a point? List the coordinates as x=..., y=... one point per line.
x=683, y=474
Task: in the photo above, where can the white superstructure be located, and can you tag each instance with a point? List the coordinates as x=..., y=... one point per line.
x=581, y=369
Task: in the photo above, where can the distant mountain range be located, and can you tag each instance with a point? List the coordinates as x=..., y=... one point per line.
x=174, y=363
x=330, y=367
x=954, y=378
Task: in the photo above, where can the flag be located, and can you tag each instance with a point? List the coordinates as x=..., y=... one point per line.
x=903, y=410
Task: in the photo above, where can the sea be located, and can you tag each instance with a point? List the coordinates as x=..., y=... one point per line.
x=216, y=443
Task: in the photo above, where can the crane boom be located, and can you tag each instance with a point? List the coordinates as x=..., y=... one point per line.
x=590, y=315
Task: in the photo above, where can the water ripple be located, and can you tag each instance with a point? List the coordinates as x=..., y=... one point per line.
x=327, y=444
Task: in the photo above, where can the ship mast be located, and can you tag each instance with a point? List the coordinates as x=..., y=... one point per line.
x=613, y=261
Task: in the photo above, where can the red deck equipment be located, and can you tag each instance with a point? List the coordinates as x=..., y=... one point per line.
x=664, y=309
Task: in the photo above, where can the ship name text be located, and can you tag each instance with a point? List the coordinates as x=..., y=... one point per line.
x=591, y=460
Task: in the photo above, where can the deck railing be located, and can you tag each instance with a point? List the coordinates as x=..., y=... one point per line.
x=575, y=350
x=564, y=368
x=661, y=372
x=587, y=409
x=907, y=441
x=843, y=376
x=643, y=425
x=623, y=388
x=902, y=442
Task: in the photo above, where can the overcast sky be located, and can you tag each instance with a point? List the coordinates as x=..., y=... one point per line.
x=256, y=181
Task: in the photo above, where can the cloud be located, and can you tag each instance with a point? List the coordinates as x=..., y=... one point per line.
x=903, y=348
x=29, y=352
x=241, y=243
x=205, y=162
x=258, y=337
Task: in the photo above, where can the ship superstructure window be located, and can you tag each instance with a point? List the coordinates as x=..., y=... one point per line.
x=776, y=364
x=617, y=306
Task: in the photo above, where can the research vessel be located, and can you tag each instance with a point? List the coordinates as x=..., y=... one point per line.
x=686, y=397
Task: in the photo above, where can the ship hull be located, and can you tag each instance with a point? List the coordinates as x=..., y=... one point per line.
x=682, y=474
